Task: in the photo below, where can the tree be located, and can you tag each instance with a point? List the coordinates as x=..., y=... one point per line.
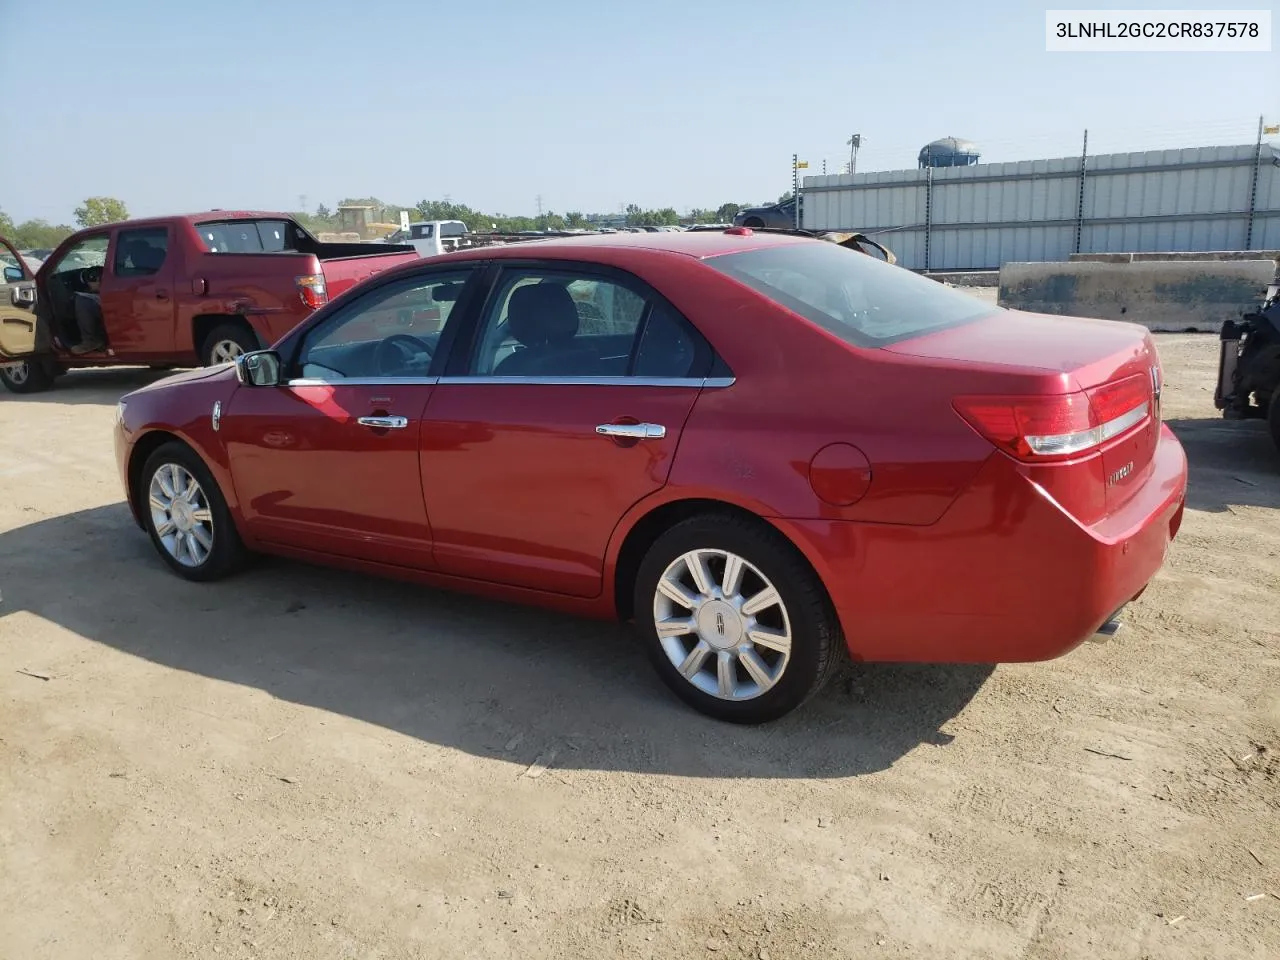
x=99, y=210
x=726, y=212
x=575, y=219
x=323, y=213
x=33, y=234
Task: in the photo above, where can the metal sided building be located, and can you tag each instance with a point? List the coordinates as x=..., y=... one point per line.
x=979, y=216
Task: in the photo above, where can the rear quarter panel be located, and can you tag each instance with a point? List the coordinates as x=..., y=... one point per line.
x=798, y=389
x=260, y=287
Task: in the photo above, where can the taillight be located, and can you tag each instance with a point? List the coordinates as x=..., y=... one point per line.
x=1059, y=426
x=312, y=290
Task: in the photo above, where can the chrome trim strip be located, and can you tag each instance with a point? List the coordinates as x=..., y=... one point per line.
x=363, y=382
x=710, y=383
x=597, y=381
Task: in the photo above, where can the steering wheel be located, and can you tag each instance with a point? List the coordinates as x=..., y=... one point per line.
x=400, y=352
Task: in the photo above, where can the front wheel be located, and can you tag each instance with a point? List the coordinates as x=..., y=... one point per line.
x=735, y=622
x=187, y=516
x=27, y=376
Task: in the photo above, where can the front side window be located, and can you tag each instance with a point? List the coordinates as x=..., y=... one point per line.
x=391, y=332
x=91, y=252
x=862, y=300
x=547, y=323
x=140, y=253
x=247, y=236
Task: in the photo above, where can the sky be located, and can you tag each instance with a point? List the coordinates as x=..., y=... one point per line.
x=176, y=106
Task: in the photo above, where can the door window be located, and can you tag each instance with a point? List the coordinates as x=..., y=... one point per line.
x=548, y=323
x=390, y=332
x=140, y=253
x=89, y=252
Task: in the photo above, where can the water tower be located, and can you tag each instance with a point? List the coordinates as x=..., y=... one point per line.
x=949, y=152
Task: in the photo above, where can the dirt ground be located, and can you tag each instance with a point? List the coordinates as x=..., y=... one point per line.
x=301, y=763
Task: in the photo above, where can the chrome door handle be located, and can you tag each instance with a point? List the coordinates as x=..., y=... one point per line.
x=384, y=423
x=633, y=431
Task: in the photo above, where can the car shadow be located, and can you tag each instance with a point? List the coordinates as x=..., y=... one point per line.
x=486, y=678
x=92, y=385
x=1229, y=463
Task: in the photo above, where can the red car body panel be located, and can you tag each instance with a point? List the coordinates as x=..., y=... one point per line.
x=933, y=544
x=155, y=319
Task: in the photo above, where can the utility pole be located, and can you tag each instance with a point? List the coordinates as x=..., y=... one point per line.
x=539, y=199
x=1253, y=189
x=854, y=143
x=302, y=202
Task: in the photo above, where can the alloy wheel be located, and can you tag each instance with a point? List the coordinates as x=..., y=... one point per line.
x=224, y=351
x=722, y=624
x=180, y=515
x=17, y=373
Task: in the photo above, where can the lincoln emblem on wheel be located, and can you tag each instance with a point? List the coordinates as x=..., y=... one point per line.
x=763, y=449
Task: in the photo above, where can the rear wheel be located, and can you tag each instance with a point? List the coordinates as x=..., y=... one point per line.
x=753, y=222
x=734, y=621
x=187, y=516
x=225, y=342
x=27, y=376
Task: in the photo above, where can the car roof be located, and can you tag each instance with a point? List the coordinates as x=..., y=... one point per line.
x=696, y=243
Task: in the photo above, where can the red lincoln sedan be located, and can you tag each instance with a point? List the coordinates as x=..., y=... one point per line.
x=763, y=448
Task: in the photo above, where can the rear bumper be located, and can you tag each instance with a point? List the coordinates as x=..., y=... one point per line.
x=1005, y=576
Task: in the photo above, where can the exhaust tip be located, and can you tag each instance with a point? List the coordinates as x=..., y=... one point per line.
x=1107, y=631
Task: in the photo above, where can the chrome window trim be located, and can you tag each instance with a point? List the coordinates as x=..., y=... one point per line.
x=710, y=383
x=596, y=381
x=361, y=381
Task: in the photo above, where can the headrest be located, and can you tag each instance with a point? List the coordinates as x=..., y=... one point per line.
x=541, y=314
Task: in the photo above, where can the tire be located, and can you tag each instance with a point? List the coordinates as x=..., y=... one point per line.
x=804, y=612
x=219, y=552
x=753, y=222
x=227, y=341
x=27, y=376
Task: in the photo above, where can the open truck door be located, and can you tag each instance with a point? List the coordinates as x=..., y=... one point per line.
x=19, y=325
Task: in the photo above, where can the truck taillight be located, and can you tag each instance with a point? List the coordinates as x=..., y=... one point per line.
x=312, y=290
x=1057, y=427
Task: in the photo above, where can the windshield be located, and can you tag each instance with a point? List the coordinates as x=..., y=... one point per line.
x=860, y=299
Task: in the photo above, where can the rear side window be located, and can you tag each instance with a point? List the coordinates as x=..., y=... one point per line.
x=861, y=299
x=140, y=253
x=422, y=231
x=248, y=236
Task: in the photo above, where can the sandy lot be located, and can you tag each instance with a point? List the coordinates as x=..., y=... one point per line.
x=301, y=763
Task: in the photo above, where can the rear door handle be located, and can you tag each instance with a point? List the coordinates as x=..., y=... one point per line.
x=162, y=294
x=633, y=431
x=384, y=423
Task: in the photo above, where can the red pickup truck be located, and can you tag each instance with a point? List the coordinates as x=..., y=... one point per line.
x=177, y=291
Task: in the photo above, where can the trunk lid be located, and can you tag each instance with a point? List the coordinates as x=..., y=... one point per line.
x=1114, y=363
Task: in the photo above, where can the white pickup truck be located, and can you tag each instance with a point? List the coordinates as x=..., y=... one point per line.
x=431, y=237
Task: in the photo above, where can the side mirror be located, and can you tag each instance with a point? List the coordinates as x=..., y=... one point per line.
x=13, y=275
x=261, y=368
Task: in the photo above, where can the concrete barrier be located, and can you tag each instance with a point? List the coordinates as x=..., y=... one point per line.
x=1169, y=296
x=1180, y=255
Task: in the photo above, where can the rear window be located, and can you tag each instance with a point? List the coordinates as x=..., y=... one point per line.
x=248, y=236
x=862, y=300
